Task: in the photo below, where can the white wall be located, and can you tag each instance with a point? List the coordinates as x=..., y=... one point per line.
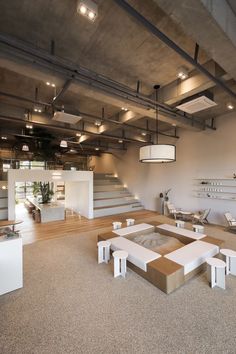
x=199, y=155
x=77, y=197
x=51, y=176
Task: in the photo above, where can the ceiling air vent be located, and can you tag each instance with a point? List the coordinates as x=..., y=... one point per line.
x=196, y=105
x=66, y=118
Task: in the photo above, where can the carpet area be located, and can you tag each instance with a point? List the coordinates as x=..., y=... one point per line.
x=70, y=304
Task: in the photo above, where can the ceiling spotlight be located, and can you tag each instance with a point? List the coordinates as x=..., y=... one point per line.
x=230, y=106
x=88, y=8
x=29, y=126
x=124, y=109
x=63, y=144
x=36, y=109
x=91, y=15
x=182, y=73
x=120, y=141
x=173, y=125
x=79, y=134
x=25, y=147
x=83, y=9
x=98, y=123
x=97, y=148
x=143, y=133
x=3, y=137
x=50, y=84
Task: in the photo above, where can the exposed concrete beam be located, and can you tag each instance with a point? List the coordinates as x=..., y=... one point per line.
x=211, y=23
x=33, y=65
x=195, y=83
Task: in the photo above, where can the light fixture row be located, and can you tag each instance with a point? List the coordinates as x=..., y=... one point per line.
x=88, y=8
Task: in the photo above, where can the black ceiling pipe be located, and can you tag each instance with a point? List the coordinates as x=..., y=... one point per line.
x=108, y=120
x=160, y=35
x=80, y=74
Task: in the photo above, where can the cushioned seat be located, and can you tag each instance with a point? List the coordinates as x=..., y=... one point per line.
x=137, y=254
x=193, y=255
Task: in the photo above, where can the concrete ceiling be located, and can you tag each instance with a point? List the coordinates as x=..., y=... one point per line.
x=121, y=49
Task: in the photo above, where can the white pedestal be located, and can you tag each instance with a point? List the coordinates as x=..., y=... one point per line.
x=103, y=251
x=216, y=272
x=11, y=264
x=120, y=263
x=230, y=258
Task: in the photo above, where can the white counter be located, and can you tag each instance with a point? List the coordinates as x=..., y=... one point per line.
x=49, y=212
x=11, y=264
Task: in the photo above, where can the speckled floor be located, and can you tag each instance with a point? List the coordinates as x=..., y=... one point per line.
x=70, y=304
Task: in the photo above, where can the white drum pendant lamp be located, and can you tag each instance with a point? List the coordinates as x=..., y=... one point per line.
x=157, y=153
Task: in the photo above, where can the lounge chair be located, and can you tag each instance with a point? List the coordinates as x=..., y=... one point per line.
x=178, y=213
x=231, y=222
x=201, y=217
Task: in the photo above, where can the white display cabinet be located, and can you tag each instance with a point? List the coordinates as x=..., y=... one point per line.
x=11, y=264
x=215, y=188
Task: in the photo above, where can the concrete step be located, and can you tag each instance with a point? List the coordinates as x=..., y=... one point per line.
x=3, y=202
x=125, y=208
x=113, y=201
x=101, y=182
x=3, y=213
x=109, y=188
x=111, y=194
x=103, y=176
x=3, y=193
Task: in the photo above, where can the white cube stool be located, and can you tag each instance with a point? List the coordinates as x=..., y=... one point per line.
x=116, y=225
x=216, y=272
x=180, y=223
x=103, y=251
x=120, y=263
x=198, y=228
x=230, y=256
x=130, y=222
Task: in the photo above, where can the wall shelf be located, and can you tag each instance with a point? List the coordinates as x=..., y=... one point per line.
x=215, y=188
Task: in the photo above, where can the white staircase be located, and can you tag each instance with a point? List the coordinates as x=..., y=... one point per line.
x=111, y=197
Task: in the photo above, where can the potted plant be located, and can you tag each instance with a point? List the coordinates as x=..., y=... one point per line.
x=44, y=190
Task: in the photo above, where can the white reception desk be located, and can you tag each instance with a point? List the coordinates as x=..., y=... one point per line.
x=11, y=264
x=49, y=212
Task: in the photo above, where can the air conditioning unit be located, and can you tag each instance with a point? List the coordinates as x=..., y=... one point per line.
x=66, y=118
x=197, y=104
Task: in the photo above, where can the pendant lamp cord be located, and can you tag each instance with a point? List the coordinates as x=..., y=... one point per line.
x=156, y=87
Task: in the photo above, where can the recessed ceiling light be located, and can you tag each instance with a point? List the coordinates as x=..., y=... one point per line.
x=48, y=83
x=88, y=8
x=3, y=137
x=97, y=148
x=29, y=126
x=173, y=125
x=83, y=9
x=63, y=144
x=124, y=109
x=120, y=141
x=25, y=147
x=79, y=134
x=230, y=106
x=143, y=133
x=91, y=15
x=182, y=73
x=98, y=123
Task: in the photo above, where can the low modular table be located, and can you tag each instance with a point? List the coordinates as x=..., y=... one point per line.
x=170, y=271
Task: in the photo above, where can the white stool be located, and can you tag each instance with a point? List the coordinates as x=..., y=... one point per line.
x=116, y=225
x=120, y=263
x=230, y=256
x=216, y=272
x=198, y=228
x=103, y=251
x=130, y=222
x=180, y=223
